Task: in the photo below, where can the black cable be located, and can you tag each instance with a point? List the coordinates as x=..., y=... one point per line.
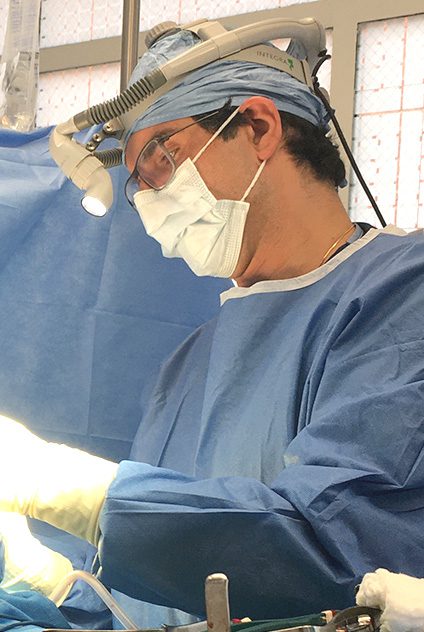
x=346, y=147
x=348, y=619
x=324, y=57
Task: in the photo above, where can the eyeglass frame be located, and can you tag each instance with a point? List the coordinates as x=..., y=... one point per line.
x=159, y=140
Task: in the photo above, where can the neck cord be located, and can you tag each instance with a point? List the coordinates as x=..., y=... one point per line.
x=339, y=242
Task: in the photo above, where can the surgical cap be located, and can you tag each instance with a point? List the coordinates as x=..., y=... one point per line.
x=210, y=87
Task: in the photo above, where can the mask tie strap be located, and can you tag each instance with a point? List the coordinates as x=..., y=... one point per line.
x=218, y=131
x=254, y=181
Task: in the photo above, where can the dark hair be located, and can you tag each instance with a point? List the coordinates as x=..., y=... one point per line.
x=306, y=143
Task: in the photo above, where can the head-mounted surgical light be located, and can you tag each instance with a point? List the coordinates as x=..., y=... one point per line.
x=85, y=170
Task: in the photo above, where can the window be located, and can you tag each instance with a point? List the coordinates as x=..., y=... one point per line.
x=64, y=93
x=389, y=120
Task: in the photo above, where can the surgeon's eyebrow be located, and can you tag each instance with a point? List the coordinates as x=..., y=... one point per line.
x=170, y=131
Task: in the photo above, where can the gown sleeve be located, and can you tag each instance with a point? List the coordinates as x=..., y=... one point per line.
x=349, y=499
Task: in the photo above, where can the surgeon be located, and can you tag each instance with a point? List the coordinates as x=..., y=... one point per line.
x=283, y=442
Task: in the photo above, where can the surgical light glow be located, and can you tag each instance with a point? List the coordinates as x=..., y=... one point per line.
x=93, y=206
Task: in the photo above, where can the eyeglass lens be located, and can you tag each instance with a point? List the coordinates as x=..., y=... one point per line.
x=155, y=165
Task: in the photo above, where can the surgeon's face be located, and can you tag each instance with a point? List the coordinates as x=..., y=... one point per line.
x=226, y=166
x=222, y=166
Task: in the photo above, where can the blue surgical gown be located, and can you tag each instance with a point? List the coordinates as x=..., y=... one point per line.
x=283, y=444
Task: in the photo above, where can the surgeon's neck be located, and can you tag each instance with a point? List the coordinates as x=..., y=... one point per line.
x=292, y=223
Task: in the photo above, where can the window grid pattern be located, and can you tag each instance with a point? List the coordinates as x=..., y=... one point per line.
x=389, y=120
x=79, y=21
x=84, y=20
x=63, y=94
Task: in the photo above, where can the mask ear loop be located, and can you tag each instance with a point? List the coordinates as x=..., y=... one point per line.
x=217, y=133
x=212, y=138
x=254, y=181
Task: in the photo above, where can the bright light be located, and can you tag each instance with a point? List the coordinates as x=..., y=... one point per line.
x=93, y=206
x=85, y=170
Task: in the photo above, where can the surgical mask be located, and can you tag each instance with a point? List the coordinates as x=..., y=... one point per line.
x=190, y=223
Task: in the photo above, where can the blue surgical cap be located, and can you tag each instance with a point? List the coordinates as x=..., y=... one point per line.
x=210, y=87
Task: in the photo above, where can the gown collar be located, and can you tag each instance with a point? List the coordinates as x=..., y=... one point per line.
x=285, y=285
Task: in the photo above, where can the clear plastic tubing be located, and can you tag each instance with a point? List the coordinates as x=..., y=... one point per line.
x=19, y=66
x=67, y=583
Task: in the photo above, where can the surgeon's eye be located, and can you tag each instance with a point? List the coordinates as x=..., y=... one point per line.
x=172, y=151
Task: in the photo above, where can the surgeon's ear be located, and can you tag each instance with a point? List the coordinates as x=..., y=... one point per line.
x=264, y=129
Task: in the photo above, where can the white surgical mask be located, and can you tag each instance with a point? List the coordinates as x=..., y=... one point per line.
x=189, y=222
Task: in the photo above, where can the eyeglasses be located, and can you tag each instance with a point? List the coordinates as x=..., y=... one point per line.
x=155, y=165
